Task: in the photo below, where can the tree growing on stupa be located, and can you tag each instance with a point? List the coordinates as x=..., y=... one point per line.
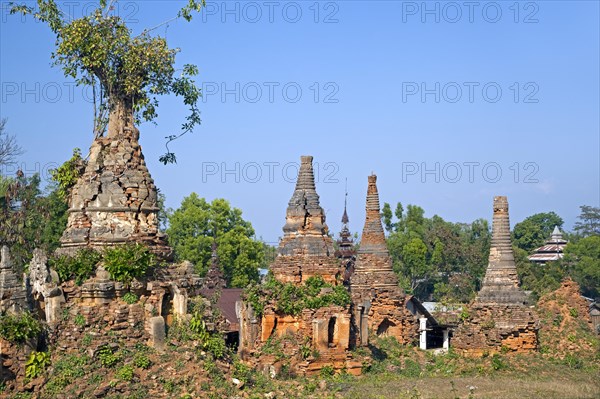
x=127, y=72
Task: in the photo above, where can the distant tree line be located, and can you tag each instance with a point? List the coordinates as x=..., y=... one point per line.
x=435, y=259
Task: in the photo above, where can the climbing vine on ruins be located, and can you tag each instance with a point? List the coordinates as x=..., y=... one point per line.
x=127, y=73
x=291, y=299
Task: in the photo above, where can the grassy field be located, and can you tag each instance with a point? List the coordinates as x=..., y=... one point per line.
x=560, y=384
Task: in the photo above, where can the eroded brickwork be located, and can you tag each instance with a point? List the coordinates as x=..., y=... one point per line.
x=305, y=249
x=317, y=337
x=499, y=317
x=378, y=301
x=115, y=200
x=13, y=296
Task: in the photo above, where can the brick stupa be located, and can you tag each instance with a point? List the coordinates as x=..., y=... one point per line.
x=305, y=249
x=499, y=317
x=378, y=301
x=115, y=200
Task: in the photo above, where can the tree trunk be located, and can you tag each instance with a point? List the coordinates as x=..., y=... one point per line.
x=120, y=119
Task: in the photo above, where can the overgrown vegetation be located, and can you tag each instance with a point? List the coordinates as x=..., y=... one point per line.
x=66, y=175
x=36, y=364
x=18, y=328
x=126, y=262
x=79, y=267
x=291, y=299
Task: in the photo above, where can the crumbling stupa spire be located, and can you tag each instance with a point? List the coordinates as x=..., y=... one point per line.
x=501, y=282
x=304, y=215
x=373, y=266
x=305, y=249
x=115, y=200
x=377, y=299
x=498, y=319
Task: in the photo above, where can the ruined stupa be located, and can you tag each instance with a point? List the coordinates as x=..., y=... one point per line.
x=378, y=301
x=499, y=317
x=305, y=249
x=115, y=199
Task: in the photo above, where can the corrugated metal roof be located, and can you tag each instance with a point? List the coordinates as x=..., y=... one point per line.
x=545, y=257
x=226, y=304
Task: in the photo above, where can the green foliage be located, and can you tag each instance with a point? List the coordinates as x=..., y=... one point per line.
x=130, y=298
x=36, y=364
x=124, y=263
x=128, y=73
x=498, y=363
x=29, y=219
x=17, y=328
x=534, y=230
x=582, y=262
x=66, y=371
x=79, y=320
x=327, y=371
x=589, y=221
x=67, y=174
x=79, y=267
x=142, y=361
x=436, y=259
x=210, y=341
x=125, y=373
x=108, y=357
x=196, y=224
x=291, y=299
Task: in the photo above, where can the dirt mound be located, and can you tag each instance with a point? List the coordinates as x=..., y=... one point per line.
x=565, y=324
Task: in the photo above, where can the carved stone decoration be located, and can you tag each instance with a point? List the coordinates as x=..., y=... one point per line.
x=13, y=295
x=45, y=290
x=378, y=301
x=115, y=200
x=499, y=317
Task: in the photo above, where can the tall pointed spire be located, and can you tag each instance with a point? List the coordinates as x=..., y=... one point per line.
x=305, y=249
x=377, y=299
x=373, y=265
x=373, y=238
x=501, y=282
x=346, y=252
x=215, y=278
x=304, y=215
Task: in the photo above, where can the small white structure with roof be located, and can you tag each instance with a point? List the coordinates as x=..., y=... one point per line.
x=552, y=250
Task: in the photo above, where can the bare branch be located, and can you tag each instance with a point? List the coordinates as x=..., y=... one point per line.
x=9, y=149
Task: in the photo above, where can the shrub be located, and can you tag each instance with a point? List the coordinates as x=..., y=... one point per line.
x=498, y=363
x=212, y=342
x=125, y=373
x=17, y=328
x=107, y=357
x=36, y=364
x=141, y=360
x=130, y=298
x=291, y=299
x=79, y=267
x=327, y=371
x=124, y=263
x=79, y=320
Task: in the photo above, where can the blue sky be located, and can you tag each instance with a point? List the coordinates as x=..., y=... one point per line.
x=449, y=103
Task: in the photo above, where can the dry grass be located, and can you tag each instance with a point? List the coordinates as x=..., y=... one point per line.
x=581, y=385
